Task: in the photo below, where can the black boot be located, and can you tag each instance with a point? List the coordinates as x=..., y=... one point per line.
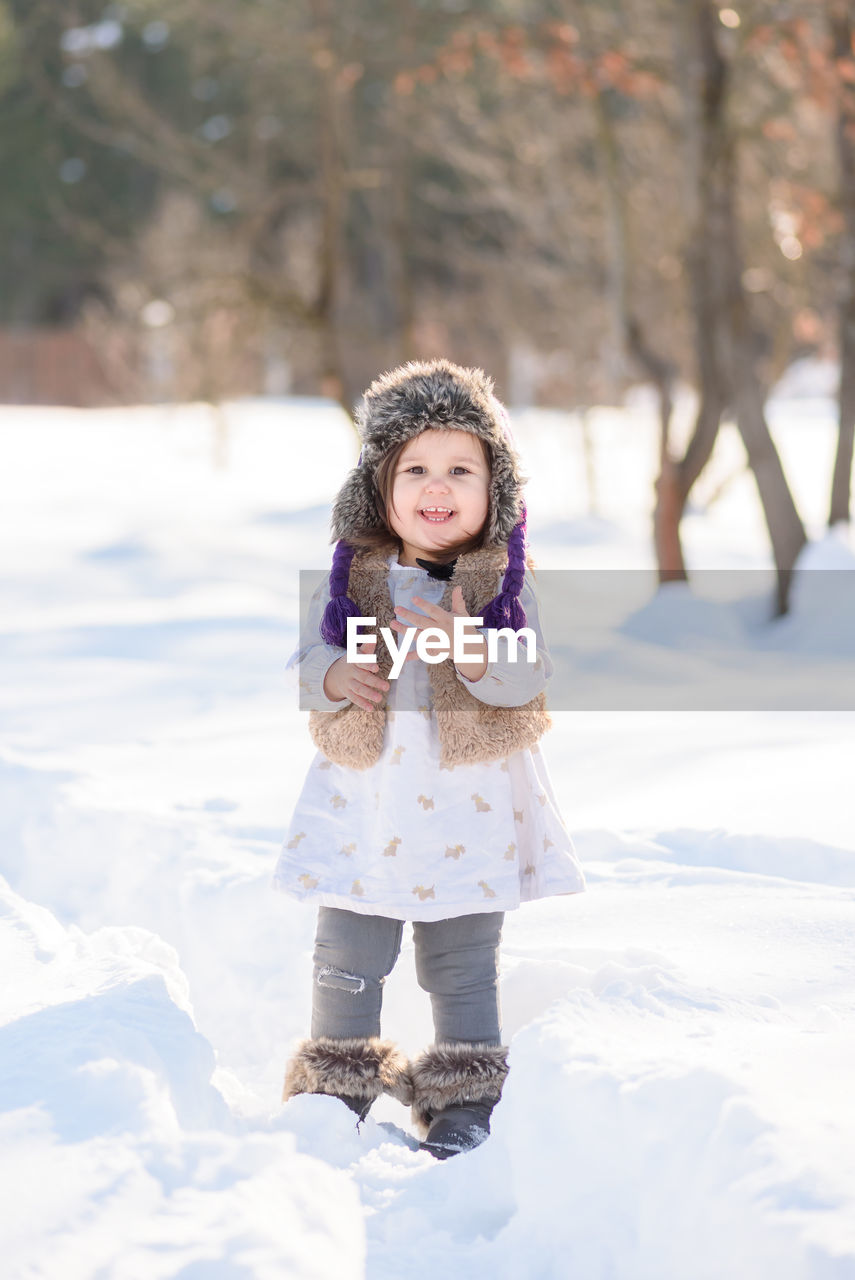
x=355, y=1070
x=455, y=1088
x=359, y=1106
x=458, y=1129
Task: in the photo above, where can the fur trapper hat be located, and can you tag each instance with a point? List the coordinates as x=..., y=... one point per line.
x=396, y=408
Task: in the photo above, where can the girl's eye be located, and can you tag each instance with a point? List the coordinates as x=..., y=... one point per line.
x=419, y=467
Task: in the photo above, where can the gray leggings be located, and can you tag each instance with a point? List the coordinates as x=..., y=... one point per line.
x=457, y=963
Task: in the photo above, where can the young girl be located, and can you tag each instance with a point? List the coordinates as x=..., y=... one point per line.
x=429, y=799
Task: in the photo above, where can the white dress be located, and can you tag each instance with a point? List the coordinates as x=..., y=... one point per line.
x=408, y=837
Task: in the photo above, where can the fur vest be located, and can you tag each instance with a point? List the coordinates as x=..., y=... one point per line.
x=470, y=731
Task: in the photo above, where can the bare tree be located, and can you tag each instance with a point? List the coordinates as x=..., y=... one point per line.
x=726, y=341
x=841, y=19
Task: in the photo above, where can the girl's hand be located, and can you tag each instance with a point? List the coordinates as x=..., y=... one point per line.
x=442, y=620
x=350, y=680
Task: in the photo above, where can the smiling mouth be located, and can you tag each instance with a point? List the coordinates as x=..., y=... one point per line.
x=436, y=515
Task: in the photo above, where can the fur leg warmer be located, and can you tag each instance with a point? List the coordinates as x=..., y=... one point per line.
x=449, y=1075
x=354, y=1068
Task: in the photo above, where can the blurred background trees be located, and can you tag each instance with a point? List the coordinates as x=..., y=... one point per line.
x=204, y=199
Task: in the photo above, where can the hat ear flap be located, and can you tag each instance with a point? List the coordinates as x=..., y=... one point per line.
x=507, y=506
x=355, y=507
x=505, y=609
x=340, y=607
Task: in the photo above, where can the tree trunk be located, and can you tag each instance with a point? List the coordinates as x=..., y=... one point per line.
x=631, y=341
x=675, y=483
x=841, y=481
x=399, y=180
x=661, y=373
x=728, y=362
x=332, y=195
x=617, y=249
x=590, y=456
x=841, y=20
x=678, y=476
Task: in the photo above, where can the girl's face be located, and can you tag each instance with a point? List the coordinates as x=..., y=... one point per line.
x=440, y=492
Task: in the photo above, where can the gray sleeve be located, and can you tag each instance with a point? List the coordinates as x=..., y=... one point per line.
x=513, y=684
x=310, y=662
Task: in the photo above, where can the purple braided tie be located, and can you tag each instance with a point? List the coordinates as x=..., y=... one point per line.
x=340, y=607
x=505, y=609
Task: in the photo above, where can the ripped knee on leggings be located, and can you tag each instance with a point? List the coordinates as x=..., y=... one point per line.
x=330, y=976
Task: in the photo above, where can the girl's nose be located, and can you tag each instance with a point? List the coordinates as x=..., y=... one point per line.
x=436, y=484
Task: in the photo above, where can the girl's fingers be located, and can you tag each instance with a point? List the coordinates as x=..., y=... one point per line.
x=425, y=610
x=458, y=604
x=362, y=699
x=366, y=690
x=440, y=617
x=404, y=627
x=371, y=685
x=368, y=644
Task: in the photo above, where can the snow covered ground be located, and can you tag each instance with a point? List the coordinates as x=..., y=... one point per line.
x=680, y=1101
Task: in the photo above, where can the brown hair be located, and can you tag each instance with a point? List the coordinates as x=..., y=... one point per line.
x=384, y=538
